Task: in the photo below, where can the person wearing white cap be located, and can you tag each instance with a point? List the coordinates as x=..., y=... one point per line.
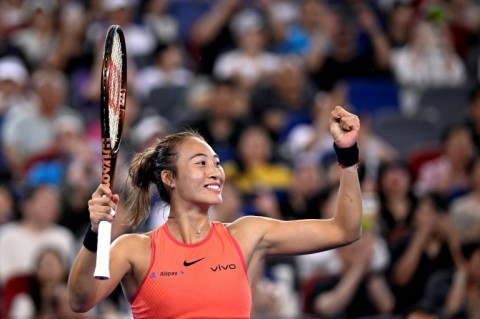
x=15, y=100
x=148, y=129
x=12, y=68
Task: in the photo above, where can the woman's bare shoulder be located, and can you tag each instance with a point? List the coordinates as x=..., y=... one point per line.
x=250, y=220
x=250, y=224
x=132, y=240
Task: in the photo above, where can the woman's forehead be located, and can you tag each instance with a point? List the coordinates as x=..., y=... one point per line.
x=192, y=146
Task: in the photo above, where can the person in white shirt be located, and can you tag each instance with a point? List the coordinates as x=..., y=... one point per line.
x=168, y=71
x=21, y=241
x=427, y=61
x=249, y=62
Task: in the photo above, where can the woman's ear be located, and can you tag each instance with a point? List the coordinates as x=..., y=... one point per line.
x=167, y=178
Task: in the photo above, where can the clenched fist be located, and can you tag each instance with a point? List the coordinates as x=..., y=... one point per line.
x=344, y=127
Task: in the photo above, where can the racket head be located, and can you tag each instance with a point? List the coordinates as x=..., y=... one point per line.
x=112, y=99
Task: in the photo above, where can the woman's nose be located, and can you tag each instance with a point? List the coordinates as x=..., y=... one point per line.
x=213, y=171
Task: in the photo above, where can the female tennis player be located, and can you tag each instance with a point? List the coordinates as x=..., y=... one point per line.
x=192, y=267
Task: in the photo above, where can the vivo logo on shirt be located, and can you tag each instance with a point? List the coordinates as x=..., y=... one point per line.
x=223, y=267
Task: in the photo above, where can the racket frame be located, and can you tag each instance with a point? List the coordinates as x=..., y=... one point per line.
x=109, y=153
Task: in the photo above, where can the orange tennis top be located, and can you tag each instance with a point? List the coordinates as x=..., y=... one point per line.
x=203, y=280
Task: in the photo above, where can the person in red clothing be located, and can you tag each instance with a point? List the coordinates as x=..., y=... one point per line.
x=192, y=267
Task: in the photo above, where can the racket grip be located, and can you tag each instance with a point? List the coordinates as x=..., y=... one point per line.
x=102, y=268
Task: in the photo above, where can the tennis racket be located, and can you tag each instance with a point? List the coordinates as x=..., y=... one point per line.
x=112, y=115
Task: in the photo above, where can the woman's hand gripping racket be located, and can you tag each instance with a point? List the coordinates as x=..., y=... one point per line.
x=112, y=115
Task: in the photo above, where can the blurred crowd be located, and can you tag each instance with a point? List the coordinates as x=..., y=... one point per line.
x=258, y=79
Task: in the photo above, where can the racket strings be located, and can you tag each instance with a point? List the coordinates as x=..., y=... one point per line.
x=115, y=95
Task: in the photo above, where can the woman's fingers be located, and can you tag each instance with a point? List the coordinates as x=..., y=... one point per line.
x=101, y=190
x=344, y=127
x=101, y=205
x=349, y=122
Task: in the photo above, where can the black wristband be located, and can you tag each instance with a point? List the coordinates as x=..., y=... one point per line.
x=91, y=240
x=346, y=156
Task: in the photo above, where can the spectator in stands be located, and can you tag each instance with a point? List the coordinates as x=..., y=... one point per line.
x=18, y=144
x=432, y=246
x=160, y=22
x=397, y=201
x=14, y=81
x=68, y=144
x=40, y=33
x=465, y=209
x=71, y=54
x=346, y=59
x=255, y=165
x=364, y=264
x=70, y=164
x=249, y=63
x=168, y=69
x=20, y=241
x=15, y=98
x=399, y=23
x=284, y=101
x=427, y=61
x=462, y=297
x=462, y=20
x=448, y=174
x=206, y=26
x=274, y=295
x=222, y=123
x=298, y=32
x=44, y=290
x=148, y=129
x=358, y=290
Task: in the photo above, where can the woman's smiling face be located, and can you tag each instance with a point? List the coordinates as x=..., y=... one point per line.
x=200, y=176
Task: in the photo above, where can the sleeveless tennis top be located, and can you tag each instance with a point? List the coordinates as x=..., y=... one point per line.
x=203, y=280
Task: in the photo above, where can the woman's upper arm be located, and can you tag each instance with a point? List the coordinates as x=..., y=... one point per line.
x=303, y=236
x=275, y=236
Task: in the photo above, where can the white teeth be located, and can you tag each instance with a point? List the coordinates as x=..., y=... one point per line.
x=213, y=187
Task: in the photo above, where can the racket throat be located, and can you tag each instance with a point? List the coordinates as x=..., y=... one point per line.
x=108, y=163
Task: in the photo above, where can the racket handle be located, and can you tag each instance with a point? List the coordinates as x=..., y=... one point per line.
x=102, y=268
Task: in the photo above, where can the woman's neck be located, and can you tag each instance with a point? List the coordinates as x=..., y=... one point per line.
x=188, y=230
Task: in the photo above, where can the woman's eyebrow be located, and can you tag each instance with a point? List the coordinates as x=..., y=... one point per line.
x=203, y=155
